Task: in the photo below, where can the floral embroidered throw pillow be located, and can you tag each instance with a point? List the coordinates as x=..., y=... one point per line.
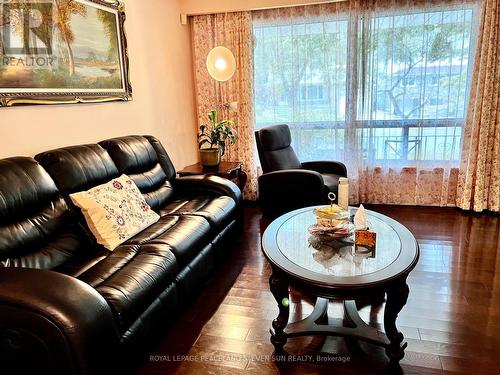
x=115, y=211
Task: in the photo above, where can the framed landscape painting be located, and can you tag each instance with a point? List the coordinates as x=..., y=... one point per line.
x=63, y=51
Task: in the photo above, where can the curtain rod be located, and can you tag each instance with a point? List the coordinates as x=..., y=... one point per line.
x=184, y=16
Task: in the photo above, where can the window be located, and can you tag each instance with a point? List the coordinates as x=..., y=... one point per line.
x=311, y=93
x=405, y=100
x=408, y=81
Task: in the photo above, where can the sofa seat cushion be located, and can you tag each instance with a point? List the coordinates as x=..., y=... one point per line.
x=138, y=271
x=163, y=225
x=132, y=277
x=77, y=265
x=218, y=211
x=185, y=235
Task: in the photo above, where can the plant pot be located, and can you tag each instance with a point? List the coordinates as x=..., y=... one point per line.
x=210, y=157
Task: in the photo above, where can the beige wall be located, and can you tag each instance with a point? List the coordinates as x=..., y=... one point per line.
x=193, y=7
x=161, y=75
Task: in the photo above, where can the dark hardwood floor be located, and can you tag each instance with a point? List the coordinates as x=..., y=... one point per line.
x=451, y=321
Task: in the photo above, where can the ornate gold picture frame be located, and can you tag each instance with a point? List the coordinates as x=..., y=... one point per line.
x=63, y=51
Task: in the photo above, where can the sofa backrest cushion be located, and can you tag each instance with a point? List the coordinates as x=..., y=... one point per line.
x=146, y=163
x=78, y=168
x=36, y=228
x=163, y=157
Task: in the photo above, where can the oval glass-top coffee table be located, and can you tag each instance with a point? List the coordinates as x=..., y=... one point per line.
x=338, y=270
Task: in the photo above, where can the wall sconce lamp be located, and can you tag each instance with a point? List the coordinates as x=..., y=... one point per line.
x=221, y=66
x=221, y=63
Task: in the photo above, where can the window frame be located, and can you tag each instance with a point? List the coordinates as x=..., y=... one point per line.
x=355, y=41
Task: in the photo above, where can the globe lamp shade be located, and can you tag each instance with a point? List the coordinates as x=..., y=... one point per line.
x=221, y=63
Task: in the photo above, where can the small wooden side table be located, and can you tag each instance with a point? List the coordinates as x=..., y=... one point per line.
x=232, y=170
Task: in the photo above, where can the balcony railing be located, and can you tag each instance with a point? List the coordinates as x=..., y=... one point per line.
x=401, y=142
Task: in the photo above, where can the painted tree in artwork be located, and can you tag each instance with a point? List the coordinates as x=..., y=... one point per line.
x=108, y=20
x=65, y=9
x=22, y=13
x=16, y=20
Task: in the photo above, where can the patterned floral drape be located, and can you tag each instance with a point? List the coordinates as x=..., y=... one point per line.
x=479, y=178
x=234, y=31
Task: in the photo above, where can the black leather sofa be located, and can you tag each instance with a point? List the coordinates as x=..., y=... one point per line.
x=69, y=306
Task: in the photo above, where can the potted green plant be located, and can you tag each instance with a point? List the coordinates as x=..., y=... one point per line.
x=213, y=137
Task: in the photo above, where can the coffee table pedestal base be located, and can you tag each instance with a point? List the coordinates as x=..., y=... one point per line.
x=353, y=326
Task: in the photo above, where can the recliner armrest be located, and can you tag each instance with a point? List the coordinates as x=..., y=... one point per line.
x=200, y=184
x=54, y=323
x=326, y=166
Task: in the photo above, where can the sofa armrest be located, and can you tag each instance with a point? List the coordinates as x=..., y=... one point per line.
x=196, y=185
x=286, y=190
x=54, y=323
x=326, y=166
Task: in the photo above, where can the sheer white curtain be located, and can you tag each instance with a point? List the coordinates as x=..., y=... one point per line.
x=380, y=85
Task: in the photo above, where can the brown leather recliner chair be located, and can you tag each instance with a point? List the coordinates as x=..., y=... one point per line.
x=286, y=183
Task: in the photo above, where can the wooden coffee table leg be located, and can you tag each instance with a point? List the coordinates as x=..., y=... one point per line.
x=279, y=288
x=397, y=295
